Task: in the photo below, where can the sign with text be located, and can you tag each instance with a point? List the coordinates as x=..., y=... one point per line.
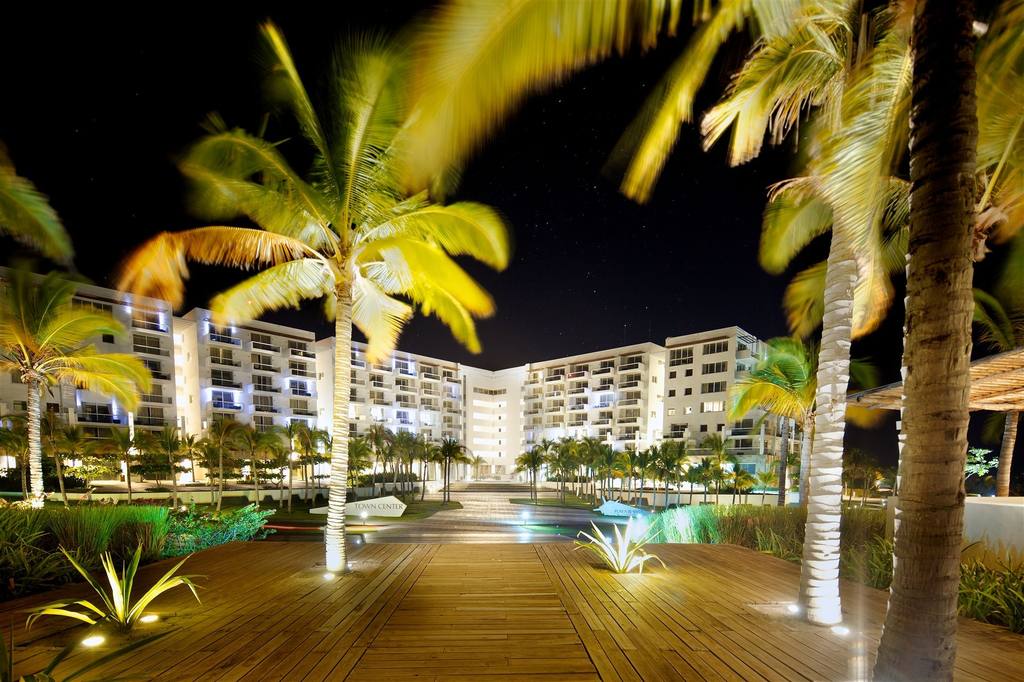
x=389, y=506
x=612, y=508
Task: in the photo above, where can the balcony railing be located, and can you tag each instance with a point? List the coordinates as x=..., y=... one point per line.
x=265, y=408
x=627, y=420
x=452, y=380
x=225, y=362
x=630, y=365
x=267, y=347
x=265, y=389
x=580, y=373
x=405, y=388
x=151, y=326
x=430, y=376
x=629, y=401
x=225, y=383
x=162, y=376
x=150, y=421
x=555, y=408
x=555, y=377
x=361, y=364
x=302, y=412
x=150, y=350
x=264, y=368
x=601, y=422
x=530, y=412
x=674, y=434
x=222, y=405
x=553, y=394
x=302, y=373
x=301, y=353
x=577, y=408
x=154, y=398
x=301, y=391
x=577, y=391
x=381, y=401
x=629, y=384
x=224, y=338
x=93, y=418
x=603, y=370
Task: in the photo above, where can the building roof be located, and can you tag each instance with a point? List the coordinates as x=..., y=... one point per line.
x=997, y=384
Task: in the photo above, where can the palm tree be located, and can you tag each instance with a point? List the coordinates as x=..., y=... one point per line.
x=782, y=383
x=531, y=461
x=190, y=450
x=380, y=438
x=431, y=455
x=1000, y=319
x=450, y=452
x=705, y=473
x=936, y=413
x=26, y=215
x=124, y=447
x=350, y=234
x=44, y=339
x=668, y=459
x=256, y=445
x=360, y=457
x=170, y=446
x=743, y=481
x=220, y=440
x=279, y=454
x=50, y=430
x=562, y=459
x=604, y=460
x=718, y=455
x=309, y=441
x=766, y=479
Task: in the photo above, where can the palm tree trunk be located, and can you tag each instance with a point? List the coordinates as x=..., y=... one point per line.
x=255, y=479
x=35, y=443
x=805, y=457
x=60, y=477
x=1006, y=454
x=334, y=535
x=783, y=461
x=919, y=635
x=290, y=487
x=174, y=480
x=280, y=491
x=24, y=481
x=128, y=479
x=220, y=476
x=666, y=494
x=819, y=570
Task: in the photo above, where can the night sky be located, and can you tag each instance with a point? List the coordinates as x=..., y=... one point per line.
x=96, y=111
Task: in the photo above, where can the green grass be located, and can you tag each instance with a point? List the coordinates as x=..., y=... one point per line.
x=571, y=502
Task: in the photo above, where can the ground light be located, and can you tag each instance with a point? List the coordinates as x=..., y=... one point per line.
x=793, y=608
x=840, y=630
x=524, y=516
x=94, y=640
x=328, y=576
x=149, y=618
x=363, y=514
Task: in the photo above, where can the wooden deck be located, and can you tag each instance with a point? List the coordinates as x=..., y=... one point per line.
x=472, y=612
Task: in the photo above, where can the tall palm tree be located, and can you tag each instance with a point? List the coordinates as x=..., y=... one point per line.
x=380, y=438
x=705, y=472
x=350, y=235
x=279, y=461
x=255, y=446
x=26, y=215
x=51, y=429
x=308, y=440
x=563, y=460
x=743, y=481
x=45, y=340
x=169, y=445
x=1000, y=320
x=531, y=461
x=431, y=455
x=190, y=450
x=124, y=447
x=782, y=383
x=644, y=461
x=929, y=530
x=667, y=462
x=693, y=476
x=220, y=441
x=360, y=458
x=450, y=452
x=718, y=455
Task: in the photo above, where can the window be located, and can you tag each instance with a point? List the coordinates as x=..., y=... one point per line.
x=144, y=343
x=680, y=356
x=489, y=391
x=222, y=356
x=108, y=338
x=20, y=406
x=689, y=372
x=93, y=305
x=687, y=391
x=714, y=367
x=703, y=428
x=712, y=406
x=262, y=383
x=144, y=319
x=260, y=338
x=264, y=423
x=672, y=374
x=52, y=407
x=299, y=369
x=671, y=393
x=713, y=387
x=719, y=427
x=300, y=388
x=716, y=347
x=224, y=400
x=155, y=368
x=688, y=409
x=671, y=411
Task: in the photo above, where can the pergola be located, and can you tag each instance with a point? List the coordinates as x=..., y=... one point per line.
x=997, y=385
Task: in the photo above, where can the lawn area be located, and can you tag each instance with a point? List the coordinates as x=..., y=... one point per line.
x=571, y=502
x=416, y=511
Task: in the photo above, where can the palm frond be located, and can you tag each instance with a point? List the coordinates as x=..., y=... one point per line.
x=120, y=375
x=794, y=217
x=282, y=286
x=378, y=315
x=996, y=328
x=159, y=267
x=26, y=215
x=804, y=301
x=461, y=229
x=480, y=59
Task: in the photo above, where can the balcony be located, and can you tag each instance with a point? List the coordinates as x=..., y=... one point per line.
x=150, y=421
x=555, y=408
x=553, y=394
x=405, y=421
x=222, y=405
x=150, y=326
x=672, y=435
x=300, y=392
x=429, y=407
x=162, y=376
x=303, y=412
x=627, y=420
x=532, y=412
x=555, y=378
x=601, y=422
x=265, y=368
x=452, y=380
x=629, y=401
x=603, y=370
x=630, y=365
x=154, y=398
x=430, y=376
x=265, y=347
x=381, y=401
x=93, y=418
x=405, y=388
x=577, y=408
x=603, y=388
x=577, y=391
x=150, y=350
x=302, y=373
x=378, y=384
x=225, y=362
x=578, y=374
x=265, y=408
x=265, y=389
x=224, y=383
x=629, y=384
x=224, y=338
x=355, y=362
x=301, y=353
x=626, y=436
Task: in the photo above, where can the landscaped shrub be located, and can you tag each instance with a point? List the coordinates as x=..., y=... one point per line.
x=378, y=478
x=994, y=595
x=192, y=530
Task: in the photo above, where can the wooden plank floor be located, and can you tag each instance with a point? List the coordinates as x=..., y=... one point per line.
x=496, y=612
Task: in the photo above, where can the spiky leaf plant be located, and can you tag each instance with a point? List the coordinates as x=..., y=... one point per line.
x=621, y=552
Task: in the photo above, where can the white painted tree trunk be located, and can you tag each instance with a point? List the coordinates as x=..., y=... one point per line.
x=35, y=443
x=819, y=571
x=334, y=535
x=805, y=457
